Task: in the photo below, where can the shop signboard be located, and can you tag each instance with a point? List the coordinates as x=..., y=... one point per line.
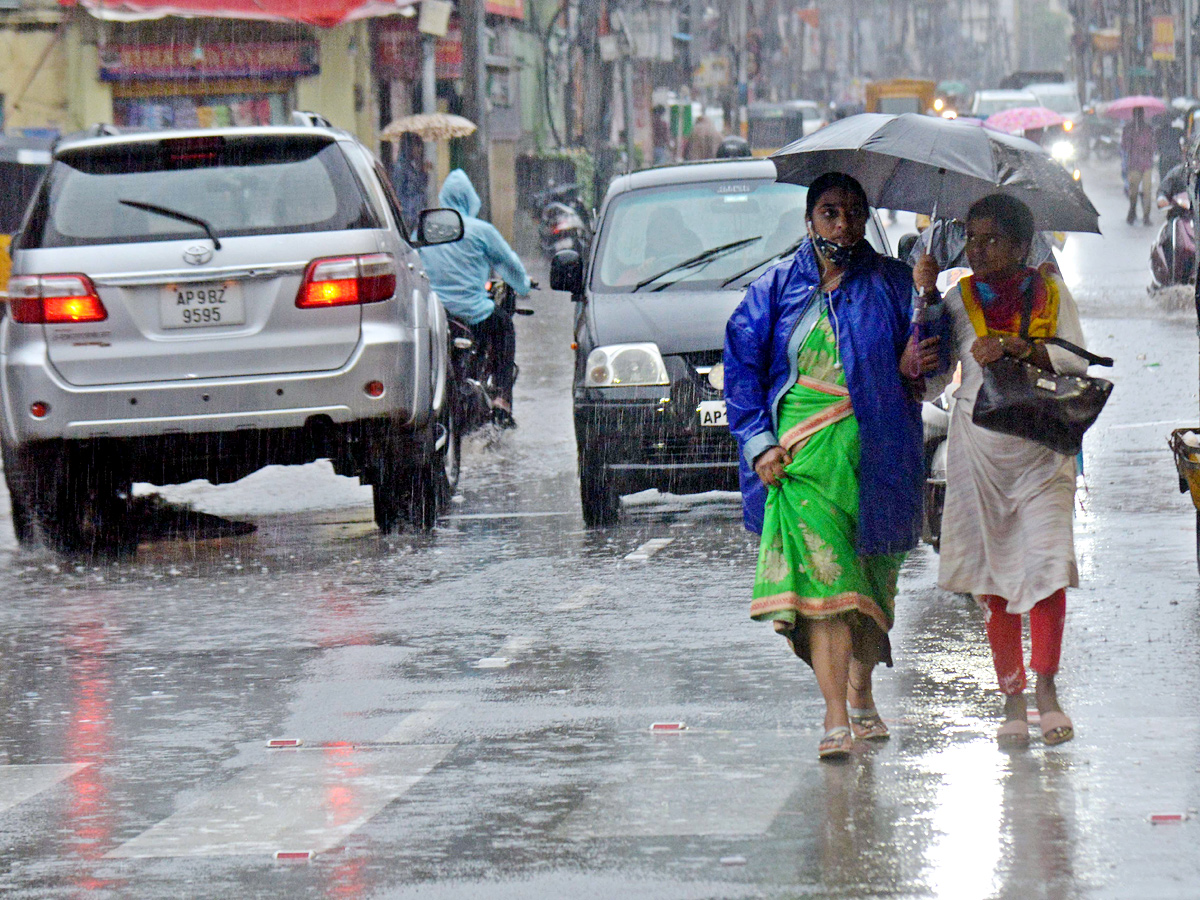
x=398, y=50
x=513, y=9
x=1162, y=48
x=265, y=59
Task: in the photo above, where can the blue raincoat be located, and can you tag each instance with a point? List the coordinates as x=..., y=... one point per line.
x=459, y=271
x=873, y=309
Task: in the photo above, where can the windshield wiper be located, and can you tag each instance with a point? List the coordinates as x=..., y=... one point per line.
x=780, y=255
x=175, y=214
x=698, y=259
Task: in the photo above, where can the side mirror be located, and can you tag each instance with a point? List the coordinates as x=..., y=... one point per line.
x=439, y=226
x=566, y=272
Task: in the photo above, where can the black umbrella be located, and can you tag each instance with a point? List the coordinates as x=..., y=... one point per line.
x=932, y=165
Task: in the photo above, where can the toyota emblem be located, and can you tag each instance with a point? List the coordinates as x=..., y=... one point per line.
x=197, y=256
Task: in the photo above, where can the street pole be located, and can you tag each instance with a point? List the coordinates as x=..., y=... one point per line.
x=429, y=106
x=1188, y=12
x=478, y=145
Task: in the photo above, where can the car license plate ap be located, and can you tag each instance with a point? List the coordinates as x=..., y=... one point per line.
x=712, y=413
x=204, y=305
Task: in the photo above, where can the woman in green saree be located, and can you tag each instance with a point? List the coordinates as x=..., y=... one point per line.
x=819, y=354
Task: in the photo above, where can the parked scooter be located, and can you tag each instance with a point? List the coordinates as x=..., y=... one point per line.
x=563, y=220
x=472, y=385
x=1173, y=256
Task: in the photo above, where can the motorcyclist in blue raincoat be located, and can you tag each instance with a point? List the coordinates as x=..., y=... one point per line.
x=459, y=272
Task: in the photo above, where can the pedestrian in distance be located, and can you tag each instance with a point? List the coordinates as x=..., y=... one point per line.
x=1137, y=149
x=409, y=177
x=459, y=271
x=664, y=141
x=1007, y=526
x=821, y=387
x=704, y=141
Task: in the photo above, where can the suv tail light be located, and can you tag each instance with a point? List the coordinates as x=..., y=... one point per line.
x=54, y=299
x=347, y=280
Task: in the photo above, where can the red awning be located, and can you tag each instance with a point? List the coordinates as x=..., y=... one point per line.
x=325, y=13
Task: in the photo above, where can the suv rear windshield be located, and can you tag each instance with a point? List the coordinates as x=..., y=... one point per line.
x=240, y=185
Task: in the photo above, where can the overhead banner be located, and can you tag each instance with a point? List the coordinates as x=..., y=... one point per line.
x=267, y=59
x=1162, y=47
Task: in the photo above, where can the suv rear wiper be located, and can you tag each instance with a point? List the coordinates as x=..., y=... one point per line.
x=175, y=214
x=698, y=259
x=780, y=255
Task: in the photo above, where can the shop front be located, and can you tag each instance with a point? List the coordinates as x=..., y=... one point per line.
x=205, y=84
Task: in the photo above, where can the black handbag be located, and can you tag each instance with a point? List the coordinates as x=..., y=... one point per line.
x=1053, y=410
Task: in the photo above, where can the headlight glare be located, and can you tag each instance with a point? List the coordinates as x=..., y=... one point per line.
x=1062, y=150
x=625, y=365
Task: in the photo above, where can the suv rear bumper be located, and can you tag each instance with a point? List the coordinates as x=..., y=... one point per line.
x=216, y=405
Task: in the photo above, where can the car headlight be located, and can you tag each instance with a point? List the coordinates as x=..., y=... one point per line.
x=1062, y=150
x=625, y=365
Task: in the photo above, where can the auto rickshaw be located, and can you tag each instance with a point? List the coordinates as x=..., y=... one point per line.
x=901, y=95
x=771, y=126
x=23, y=162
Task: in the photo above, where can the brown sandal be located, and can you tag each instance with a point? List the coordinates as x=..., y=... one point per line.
x=1056, y=728
x=837, y=743
x=868, y=725
x=1013, y=733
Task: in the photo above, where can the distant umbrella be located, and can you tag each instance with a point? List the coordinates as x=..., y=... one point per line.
x=928, y=164
x=429, y=127
x=1022, y=119
x=1124, y=107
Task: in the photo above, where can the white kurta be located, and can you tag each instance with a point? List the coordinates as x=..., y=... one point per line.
x=1007, y=527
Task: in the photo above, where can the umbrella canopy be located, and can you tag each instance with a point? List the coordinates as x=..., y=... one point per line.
x=927, y=164
x=1124, y=107
x=1022, y=119
x=429, y=127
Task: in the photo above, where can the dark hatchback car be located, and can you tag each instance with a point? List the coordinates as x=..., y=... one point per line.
x=675, y=249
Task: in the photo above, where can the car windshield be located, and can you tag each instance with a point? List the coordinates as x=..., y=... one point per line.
x=239, y=185
x=988, y=106
x=648, y=231
x=1064, y=102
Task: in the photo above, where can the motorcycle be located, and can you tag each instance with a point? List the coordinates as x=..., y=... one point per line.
x=1102, y=136
x=472, y=384
x=1173, y=255
x=563, y=220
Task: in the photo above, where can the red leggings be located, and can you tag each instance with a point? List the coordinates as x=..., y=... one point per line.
x=1004, y=633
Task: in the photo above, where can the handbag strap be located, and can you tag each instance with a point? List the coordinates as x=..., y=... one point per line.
x=1027, y=313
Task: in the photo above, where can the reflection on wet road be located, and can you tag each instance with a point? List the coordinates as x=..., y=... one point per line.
x=312, y=710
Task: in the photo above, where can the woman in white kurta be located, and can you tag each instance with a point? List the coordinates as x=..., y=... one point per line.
x=1007, y=528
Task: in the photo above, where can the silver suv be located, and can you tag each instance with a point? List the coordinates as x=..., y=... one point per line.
x=199, y=304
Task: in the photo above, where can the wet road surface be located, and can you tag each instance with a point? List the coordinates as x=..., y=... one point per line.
x=473, y=706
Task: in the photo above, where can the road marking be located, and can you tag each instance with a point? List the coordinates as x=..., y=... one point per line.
x=585, y=596
x=516, y=644
x=19, y=783
x=311, y=799
x=415, y=724
x=698, y=783
x=649, y=548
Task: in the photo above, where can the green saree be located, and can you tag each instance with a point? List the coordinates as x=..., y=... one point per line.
x=808, y=565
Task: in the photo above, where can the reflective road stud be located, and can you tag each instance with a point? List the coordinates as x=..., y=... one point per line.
x=1168, y=818
x=294, y=855
x=668, y=727
x=276, y=743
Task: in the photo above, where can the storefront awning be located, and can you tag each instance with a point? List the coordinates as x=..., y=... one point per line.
x=324, y=13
